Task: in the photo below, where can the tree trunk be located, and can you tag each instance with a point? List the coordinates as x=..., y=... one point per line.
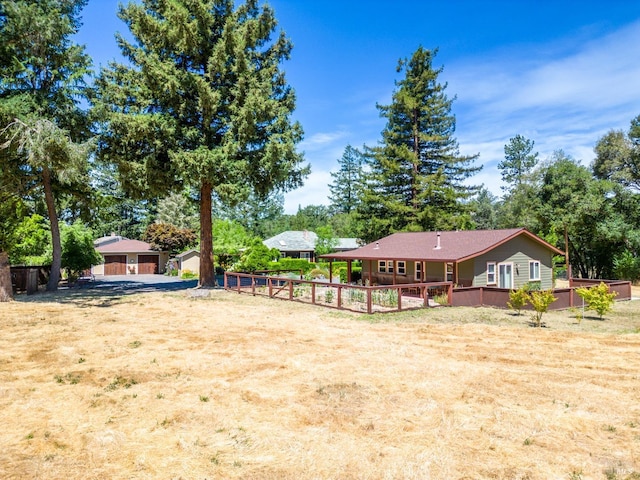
x=6, y=291
x=207, y=273
x=54, y=277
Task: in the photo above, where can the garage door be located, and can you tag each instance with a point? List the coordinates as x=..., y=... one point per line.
x=148, y=263
x=115, y=264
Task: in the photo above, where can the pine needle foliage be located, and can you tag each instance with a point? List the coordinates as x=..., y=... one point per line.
x=201, y=103
x=416, y=176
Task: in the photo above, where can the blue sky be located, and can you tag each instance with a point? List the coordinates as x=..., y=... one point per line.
x=562, y=73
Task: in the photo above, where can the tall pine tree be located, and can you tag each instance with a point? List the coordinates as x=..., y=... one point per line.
x=416, y=177
x=347, y=181
x=201, y=103
x=42, y=80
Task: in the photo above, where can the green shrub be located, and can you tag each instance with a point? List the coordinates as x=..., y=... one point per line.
x=598, y=298
x=328, y=296
x=295, y=264
x=540, y=301
x=518, y=298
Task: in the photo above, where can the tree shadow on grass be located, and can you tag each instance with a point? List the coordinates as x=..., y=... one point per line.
x=105, y=293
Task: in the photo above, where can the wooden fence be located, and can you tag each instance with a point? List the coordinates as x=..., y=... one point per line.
x=27, y=279
x=357, y=298
x=394, y=298
x=566, y=297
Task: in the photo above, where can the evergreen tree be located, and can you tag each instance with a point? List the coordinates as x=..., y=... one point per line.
x=485, y=207
x=201, y=103
x=416, y=176
x=176, y=209
x=41, y=82
x=347, y=181
x=518, y=162
x=113, y=211
x=262, y=216
x=518, y=169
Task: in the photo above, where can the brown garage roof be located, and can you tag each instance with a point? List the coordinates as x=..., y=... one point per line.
x=126, y=246
x=454, y=246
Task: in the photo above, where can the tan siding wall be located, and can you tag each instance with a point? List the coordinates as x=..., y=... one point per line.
x=191, y=263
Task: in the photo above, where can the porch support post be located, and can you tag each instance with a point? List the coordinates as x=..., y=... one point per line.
x=349, y=270
x=330, y=270
x=370, y=273
x=395, y=267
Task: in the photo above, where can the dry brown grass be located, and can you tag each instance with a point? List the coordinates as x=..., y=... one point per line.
x=232, y=386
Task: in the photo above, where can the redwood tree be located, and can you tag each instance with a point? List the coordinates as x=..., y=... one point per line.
x=201, y=102
x=416, y=178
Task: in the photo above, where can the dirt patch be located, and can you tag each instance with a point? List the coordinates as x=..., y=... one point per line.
x=163, y=385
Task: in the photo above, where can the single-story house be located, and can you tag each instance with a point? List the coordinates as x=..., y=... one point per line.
x=128, y=257
x=302, y=244
x=506, y=258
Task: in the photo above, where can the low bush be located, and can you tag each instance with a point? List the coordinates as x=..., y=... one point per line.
x=188, y=275
x=598, y=298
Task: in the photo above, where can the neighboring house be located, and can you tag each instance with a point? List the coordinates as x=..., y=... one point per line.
x=302, y=244
x=294, y=244
x=128, y=257
x=502, y=258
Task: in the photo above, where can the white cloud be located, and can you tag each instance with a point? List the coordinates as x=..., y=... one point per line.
x=322, y=139
x=566, y=101
x=314, y=192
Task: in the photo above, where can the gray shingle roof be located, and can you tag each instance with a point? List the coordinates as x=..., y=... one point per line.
x=304, y=241
x=293, y=241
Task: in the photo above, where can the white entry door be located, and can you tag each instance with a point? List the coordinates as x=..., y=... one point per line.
x=505, y=275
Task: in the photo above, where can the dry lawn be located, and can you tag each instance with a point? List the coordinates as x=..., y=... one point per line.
x=170, y=386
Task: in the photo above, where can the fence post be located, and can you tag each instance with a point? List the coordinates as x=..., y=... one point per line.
x=290, y=289
x=313, y=293
x=369, y=309
x=399, y=292
x=238, y=280
x=339, y=296
x=450, y=294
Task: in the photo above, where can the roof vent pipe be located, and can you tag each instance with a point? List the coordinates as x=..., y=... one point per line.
x=437, y=247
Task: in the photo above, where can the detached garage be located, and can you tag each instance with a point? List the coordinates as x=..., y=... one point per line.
x=115, y=264
x=129, y=257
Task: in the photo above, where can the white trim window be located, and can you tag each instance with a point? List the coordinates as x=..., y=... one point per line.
x=491, y=273
x=305, y=256
x=449, y=271
x=534, y=270
x=418, y=271
x=402, y=267
x=385, y=266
